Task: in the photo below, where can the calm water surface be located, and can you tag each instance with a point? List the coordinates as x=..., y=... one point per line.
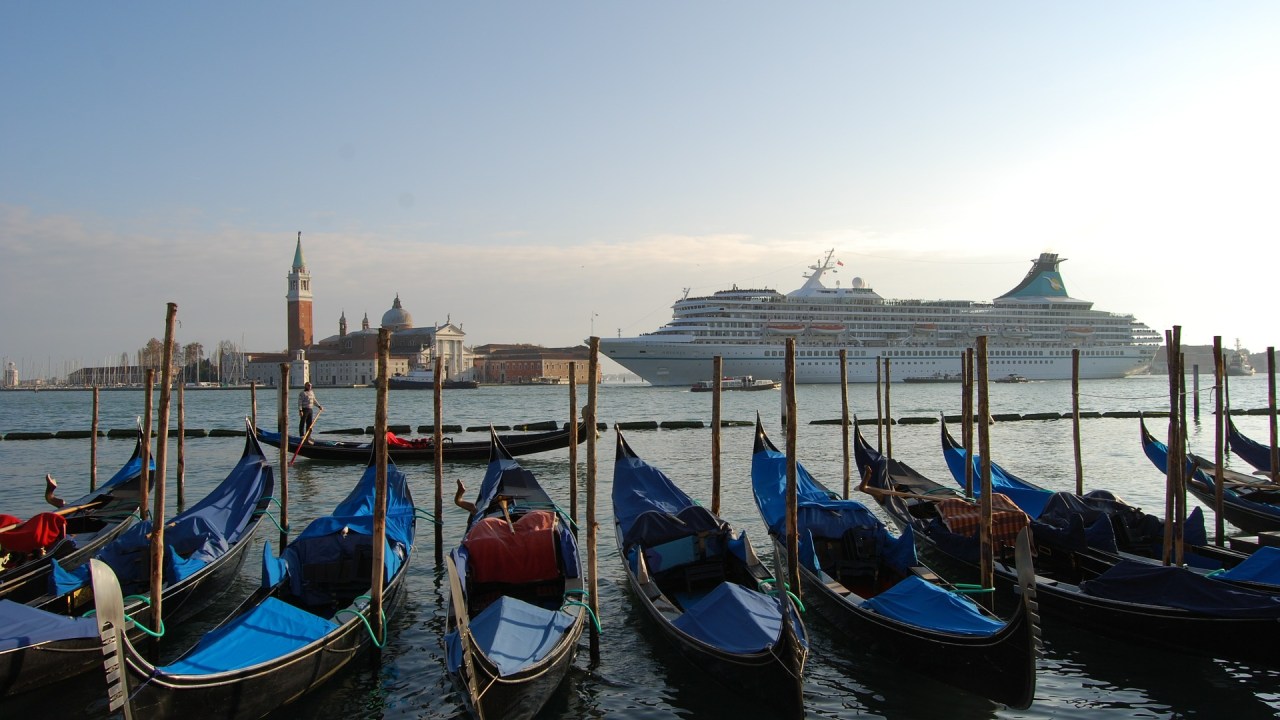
x=1080, y=675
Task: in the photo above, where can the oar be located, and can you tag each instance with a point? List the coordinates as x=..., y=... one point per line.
x=304, y=437
x=502, y=502
x=882, y=492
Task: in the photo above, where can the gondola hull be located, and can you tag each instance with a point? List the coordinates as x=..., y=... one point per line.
x=346, y=451
x=258, y=690
x=1000, y=667
x=775, y=674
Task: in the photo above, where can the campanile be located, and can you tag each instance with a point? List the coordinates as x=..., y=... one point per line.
x=299, y=299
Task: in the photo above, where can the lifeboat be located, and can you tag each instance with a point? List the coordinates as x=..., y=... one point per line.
x=1015, y=332
x=925, y=328
x=827, y=328
x=783, y=328
x=1078, y=331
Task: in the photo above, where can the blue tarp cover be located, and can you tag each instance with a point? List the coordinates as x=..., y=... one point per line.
x=513, y=634
x=1263, y=566
x=1030, y=498
x=1252, y=451
x=923, y=604
x=24, y=626
x=271, y=630
x=650, y=509
x=734, y=618
x=193, y=538
x=817, y=512
x=339, y=536
x=1150, y=584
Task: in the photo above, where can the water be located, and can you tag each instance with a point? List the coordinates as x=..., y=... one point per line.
x=1080, y=675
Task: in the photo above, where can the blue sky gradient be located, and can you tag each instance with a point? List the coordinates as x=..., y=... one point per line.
x=541, y=171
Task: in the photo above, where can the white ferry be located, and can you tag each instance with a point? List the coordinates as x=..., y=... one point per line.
x=1031, y=332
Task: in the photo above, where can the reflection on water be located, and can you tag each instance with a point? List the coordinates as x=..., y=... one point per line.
x=1081, y=675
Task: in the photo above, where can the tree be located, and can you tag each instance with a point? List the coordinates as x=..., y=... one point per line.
x=192, y=354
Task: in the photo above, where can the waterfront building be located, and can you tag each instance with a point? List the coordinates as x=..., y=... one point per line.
x=350, y=358
x=523, y=363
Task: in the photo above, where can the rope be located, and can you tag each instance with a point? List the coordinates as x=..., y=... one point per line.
x=969, y=589
x=569, y=603
x=146, y=600
x=273, y=520
x=376, y=643
x=426, y=515
x=774, y=592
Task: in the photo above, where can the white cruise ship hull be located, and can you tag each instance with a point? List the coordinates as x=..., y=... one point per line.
x=1032, y=331
x=678, y=363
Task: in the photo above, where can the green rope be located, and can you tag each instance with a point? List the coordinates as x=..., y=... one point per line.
x=273, y=520
x=272, y=498
x=376, y=643
x=147, y=601
x=426, y=515
x=970, y=589
x=774, y=592
x=570, y=603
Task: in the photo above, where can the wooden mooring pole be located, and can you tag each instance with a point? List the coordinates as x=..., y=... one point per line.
x=793, y=531
x=162, y=451
x=437, y=439
x=1075, y=418
x=1219, y=440
x=987, y=555
x=593, y=527
x=380, y=488
x=253, y=404
x=966, y=404
x=844, y=416
x=717, y=372
x=879, y=409
x=1271, y=407
x=888, y=412
x=93, y=445
x=573, y=442
x=282, y=424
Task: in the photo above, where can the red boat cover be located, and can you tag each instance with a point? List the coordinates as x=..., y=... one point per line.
x=394, y=441
x=496, y=554
x=1007, y=520
x=39, y=532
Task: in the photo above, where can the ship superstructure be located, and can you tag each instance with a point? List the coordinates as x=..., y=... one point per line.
x=1031, y=331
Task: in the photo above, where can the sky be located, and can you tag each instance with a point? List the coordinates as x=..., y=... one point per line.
x=543, y=172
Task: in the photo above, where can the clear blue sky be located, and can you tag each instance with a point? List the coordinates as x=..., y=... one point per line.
x=537, y=171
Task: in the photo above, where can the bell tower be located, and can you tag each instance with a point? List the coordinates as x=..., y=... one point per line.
x=299, y=299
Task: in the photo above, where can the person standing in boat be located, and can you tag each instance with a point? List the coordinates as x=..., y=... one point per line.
x=307, y=407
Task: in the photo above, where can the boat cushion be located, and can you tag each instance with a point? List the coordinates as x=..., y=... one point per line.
x=522, y=552
x=1007, y=520
x=918, y=602
x=271, y=630
x=513, y=634
x=25, y=626
x=733, y=618
x=40, y=531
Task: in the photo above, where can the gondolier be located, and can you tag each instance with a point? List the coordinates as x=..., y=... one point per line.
x=307, y=406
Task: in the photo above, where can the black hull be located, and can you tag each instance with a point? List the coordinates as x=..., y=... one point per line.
x=518, y=444
x=519, y=696
x=1250, y=520
x=253, y=692
x=1000, y=667
x=776, y=676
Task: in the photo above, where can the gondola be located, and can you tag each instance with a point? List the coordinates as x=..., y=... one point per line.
x=1251, y=451
x=90, y=523
x=404, y=450
x=1250, y=503
x=869, y=584
x=1171, y=607
x=707, y=592
x=516, y=604
x=205, y=545
x=1109, y=524
x=308, y=620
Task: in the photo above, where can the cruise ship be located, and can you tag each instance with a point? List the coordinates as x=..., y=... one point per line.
x=1031, y=331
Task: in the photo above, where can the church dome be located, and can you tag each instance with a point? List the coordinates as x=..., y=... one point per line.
x=397, y=318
